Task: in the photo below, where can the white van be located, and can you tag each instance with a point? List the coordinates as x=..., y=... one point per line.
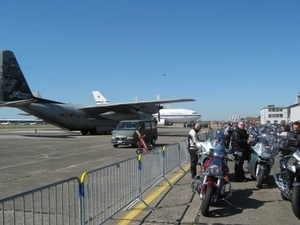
x=125, y=132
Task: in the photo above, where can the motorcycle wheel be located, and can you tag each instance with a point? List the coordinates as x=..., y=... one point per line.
x=260, y=178
x=207, y=197
x=283, y=197
x=296, y=201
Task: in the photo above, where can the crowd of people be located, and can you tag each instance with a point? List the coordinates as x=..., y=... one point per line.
x=237, y=138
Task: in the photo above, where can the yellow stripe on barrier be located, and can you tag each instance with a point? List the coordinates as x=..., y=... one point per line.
x=83, y=177
x=136, y=210
x=139, y=158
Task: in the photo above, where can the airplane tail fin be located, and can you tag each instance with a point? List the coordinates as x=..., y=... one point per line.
x=37, y=94
x=99, y=98
x=13, y=86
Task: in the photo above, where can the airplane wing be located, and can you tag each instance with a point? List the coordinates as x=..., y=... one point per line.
x=17, y=103
x=150, y=107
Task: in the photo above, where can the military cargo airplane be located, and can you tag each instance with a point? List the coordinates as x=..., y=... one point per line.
x=93, y=119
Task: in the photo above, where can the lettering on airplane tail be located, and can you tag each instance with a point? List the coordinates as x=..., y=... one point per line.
x=19, y=95
x=66, y=114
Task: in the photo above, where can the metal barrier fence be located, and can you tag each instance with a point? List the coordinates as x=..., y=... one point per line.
x=109, y=189
x=55, y=203
x=97, y=195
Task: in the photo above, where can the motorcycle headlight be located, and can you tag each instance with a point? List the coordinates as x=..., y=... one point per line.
x=214, y=169
x=291, y=165
x=266, y=155
x=211, y=151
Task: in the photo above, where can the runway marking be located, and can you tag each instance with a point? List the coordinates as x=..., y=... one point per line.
x=136, y=210
x=46, y=159
x=43, y=154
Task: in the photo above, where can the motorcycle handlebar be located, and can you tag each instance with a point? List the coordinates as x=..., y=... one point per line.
x=230, y=158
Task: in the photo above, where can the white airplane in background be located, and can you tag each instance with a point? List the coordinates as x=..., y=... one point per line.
x=99, y=98
x=93, y=119
x=170, y=116
x=164, y=116
x=5, y=123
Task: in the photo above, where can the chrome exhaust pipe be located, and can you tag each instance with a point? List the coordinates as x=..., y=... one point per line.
x=278, y=182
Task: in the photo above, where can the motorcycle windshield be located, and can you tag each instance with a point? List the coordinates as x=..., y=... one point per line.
x=213, y=134
x=216, y=138
x=215, y=142
x=265, y=146
x=297, y=154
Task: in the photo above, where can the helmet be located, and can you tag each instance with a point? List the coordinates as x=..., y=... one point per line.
x=221, y=134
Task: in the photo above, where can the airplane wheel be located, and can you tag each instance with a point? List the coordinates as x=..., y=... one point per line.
x=84, y=132
x=92, y=132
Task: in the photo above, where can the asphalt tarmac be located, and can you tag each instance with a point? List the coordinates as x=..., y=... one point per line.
x=32, y=158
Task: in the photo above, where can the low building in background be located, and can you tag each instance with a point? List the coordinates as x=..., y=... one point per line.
x=295, y=109
x=276, y=114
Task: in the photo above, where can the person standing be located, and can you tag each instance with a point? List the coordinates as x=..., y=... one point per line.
x=295, y=132
x=193, y=142
x=285, y=132
x=228, y=134
x=240, y=142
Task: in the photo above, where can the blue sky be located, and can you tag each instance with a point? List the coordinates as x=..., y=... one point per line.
x=233, y=57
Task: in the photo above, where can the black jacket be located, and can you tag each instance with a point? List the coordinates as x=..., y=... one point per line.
x=294, y=135
x=239, y=140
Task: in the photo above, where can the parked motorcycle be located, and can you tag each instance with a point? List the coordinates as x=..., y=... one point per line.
x=263, y=152
x=288, y=180
x=213, y=184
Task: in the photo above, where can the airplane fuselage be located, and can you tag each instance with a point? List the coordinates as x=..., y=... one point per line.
x=177, y=115
x=72, y=117
x=67, y=116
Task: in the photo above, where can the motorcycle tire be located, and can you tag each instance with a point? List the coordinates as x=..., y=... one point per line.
x=284, y=197
x=296, y=201
x=260, y=178
x=206, y=200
